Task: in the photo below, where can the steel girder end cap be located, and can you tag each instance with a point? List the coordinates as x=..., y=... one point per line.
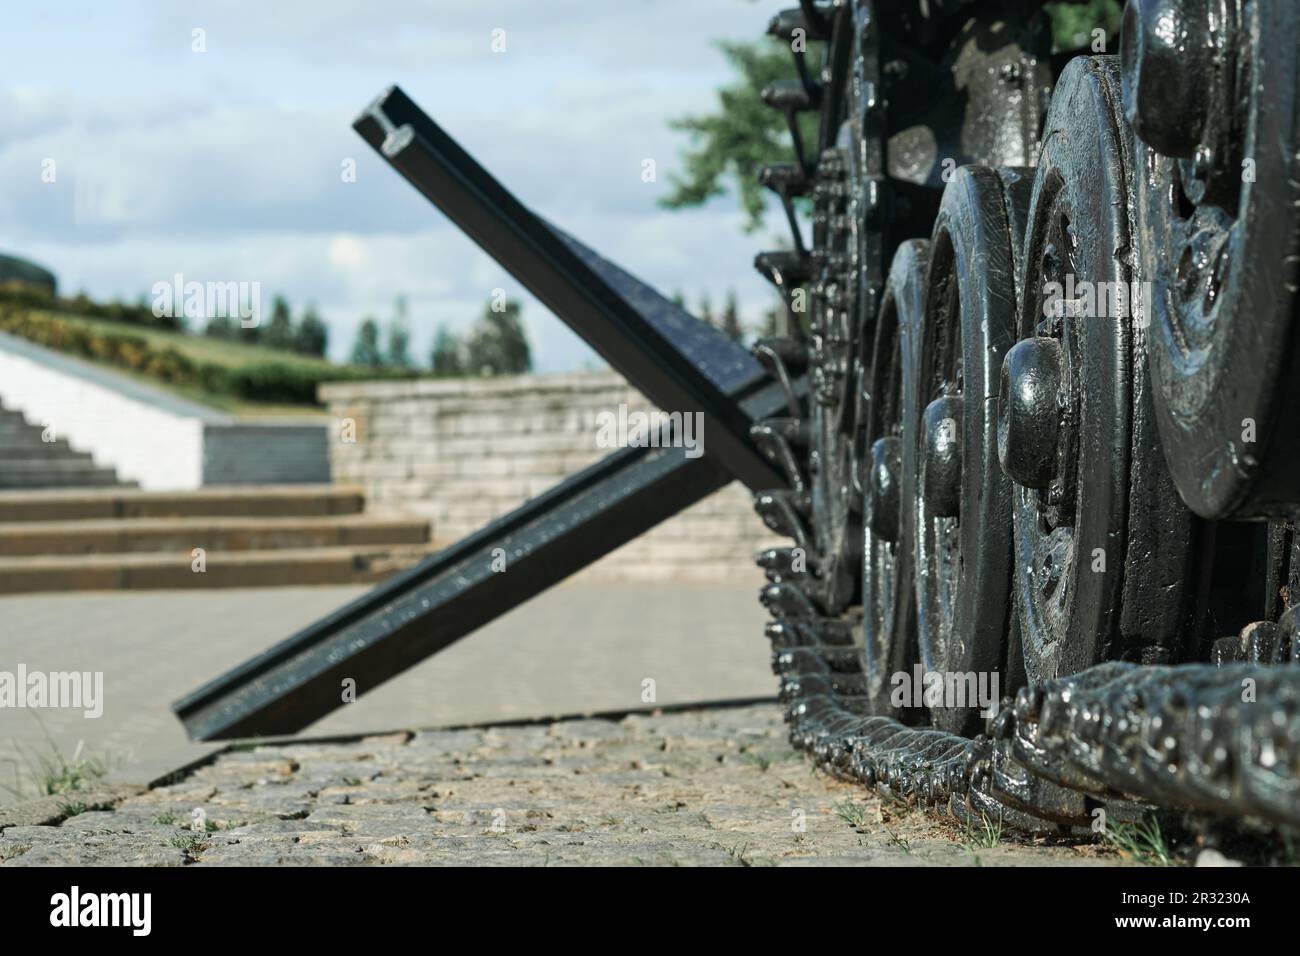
x=1028, y=414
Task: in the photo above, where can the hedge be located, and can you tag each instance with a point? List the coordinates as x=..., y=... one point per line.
x=26, y=296
x=291, y=383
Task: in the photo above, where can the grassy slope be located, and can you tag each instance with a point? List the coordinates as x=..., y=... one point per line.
x=200, y=348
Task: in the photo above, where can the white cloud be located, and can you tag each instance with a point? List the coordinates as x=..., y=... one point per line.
x=226, y=165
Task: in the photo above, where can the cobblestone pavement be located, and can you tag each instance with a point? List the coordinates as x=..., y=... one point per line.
x=715, y=787
x=577, y=648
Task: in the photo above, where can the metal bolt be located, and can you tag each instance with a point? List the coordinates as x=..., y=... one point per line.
x=1028, y=422
x=1167, y=52
x=941, y=466
x=883, y=485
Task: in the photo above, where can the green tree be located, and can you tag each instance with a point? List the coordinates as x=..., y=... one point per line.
x=742, y=135
x=445, y=357
x=365, y=351
x=1073, y=23
x=311, y=336
x=279, y=331
x=497, y=344
x=222, y=327
x=706, y=310
x=398, y=353
x=250, y=334
x=731, y=319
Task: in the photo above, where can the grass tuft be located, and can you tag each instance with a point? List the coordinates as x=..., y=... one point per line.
x=854, y=814
x=986, y=836
x=1141, y=840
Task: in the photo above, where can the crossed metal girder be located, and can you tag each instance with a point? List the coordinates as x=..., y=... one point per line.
x=680, y=363
x=420, y=611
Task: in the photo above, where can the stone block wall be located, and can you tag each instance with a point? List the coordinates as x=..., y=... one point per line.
x=462, y=452
x=265, y=453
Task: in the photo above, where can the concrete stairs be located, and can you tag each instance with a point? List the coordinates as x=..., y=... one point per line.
x=27, y=461
x=250, y=536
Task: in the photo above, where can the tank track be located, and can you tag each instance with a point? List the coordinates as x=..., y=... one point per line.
x=1118, y=736
x=1118, y=739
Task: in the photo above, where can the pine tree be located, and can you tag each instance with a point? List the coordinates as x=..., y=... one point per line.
x=731, y=319
x=365, y=352
x=706, y=310
x=445, y=357
x=729, y=146
x=311, y=336
x=399, y=336
x=497, y=344
x=279, y=332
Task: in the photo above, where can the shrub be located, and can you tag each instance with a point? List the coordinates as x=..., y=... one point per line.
x=286, y=382
x=140, y=313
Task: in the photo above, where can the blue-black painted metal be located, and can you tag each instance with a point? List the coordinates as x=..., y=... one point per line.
x=422, y=610
x=678, y=362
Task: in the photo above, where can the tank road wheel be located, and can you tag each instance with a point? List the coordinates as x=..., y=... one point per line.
x=1217, y=194
x=888, y=608
x=962, y=499
x=1102, y=543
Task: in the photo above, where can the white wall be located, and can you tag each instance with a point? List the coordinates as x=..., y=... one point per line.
x=154, y=446
x=148, y=435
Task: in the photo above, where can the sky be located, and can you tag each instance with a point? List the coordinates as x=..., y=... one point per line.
x=226, y=164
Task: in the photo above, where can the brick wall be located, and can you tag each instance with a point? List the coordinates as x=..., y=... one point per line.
x=462, y=452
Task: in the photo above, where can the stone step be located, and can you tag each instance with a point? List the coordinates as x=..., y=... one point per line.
x=272, y=568
x=54, y=473
x=17, y=426
x=17, y=465
x=17, y=449
x=271, y=501
x=135, y=535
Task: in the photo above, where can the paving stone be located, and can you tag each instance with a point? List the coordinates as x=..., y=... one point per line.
x=710, y=787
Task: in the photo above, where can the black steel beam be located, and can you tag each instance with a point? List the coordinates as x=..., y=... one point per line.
x=420, y=611
x=678, y=362
x=681, y=364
